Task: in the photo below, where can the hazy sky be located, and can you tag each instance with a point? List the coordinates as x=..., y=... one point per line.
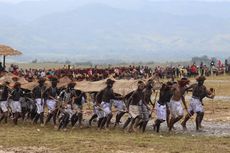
x=16, y=1
x=173, y=26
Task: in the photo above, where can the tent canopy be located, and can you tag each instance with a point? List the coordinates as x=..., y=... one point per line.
x=8, y=51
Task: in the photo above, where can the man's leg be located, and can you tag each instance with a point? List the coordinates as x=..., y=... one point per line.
x=118, y=118
x=103, y=122
x=49, y=116
x=16, y=116
x=173, y=121
x=2, y=117
x=6, y=116
x=92, y=118
x=130, y=129
x=187, y=117
x=74, y=119
x=35, y=120
x=137, y=121
x=109, y=117
x=80, y=115
x=99, y=122
x=42, y=118
x=65, y=121
x=157, y=125
x=55, y=117
x=127, y=123
x=144, y=124
x=167, y=116
x=199, y=118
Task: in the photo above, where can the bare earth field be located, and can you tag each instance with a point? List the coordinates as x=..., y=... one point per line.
x=215, y=137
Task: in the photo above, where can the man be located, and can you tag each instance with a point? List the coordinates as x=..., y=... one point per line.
x=2, y=68
x=66, y=96
x=146, y=111
x=51, y=95
x=126, y=99
x=168, y=95
x=95, y=111
x=176, y=108
x=134, y=106
x=162, y=104
x=121, y=110
x=38, y=95
x=79, y=100
x=106, y=104
x=199, y=91
x=16, y=94
x=4, y=92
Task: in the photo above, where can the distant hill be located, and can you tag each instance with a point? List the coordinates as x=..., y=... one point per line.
x=153, y=31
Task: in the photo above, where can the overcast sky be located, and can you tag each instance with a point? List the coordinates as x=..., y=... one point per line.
x=16, y=1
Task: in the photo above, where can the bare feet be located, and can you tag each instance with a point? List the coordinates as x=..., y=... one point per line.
x=184, y=127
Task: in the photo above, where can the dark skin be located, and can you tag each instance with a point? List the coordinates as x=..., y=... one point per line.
x=147, y=100
x=163, y=99
x=178, y=94
x=106, y=120
x=16, y=114
x=94, y=115
x=41, y=116
x=54, y=113
x=199, y=91
x=5, y=114
x=135, y=121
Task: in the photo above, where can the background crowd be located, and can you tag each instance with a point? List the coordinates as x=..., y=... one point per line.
x=121, y=72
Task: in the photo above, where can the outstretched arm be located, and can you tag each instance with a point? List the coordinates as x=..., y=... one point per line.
x=185, y=105
x=189, y=89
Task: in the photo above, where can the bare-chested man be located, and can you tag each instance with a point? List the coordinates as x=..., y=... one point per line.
x=4, y=93
x=16, y=107
x=162, y=105
x=51, y=96
x=199, y=91
x=176, y=108
x=134, y=106
x=146, y=111
x=106, y=97
x=66, y=96
x=38, y=95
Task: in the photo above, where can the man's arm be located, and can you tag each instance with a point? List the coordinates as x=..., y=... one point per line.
x=131, y=99
x=183, y=100
x=189, y=89
x=33, y=93
x=116, y=97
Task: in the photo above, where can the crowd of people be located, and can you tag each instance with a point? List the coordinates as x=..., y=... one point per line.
x=121, y=72
x=66, y=106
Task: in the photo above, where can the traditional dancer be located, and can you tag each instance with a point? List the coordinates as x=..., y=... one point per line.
x=199, y=92
x=134, y=106
x=176, y=101
x=16, y=108
x=161, y=105
x=51, y=101
x=4, y=93
x=38, y=95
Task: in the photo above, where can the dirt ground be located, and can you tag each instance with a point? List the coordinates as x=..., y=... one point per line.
x=215, y=137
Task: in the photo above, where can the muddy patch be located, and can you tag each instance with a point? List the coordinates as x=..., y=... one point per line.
x=210, y=128
x=25, y=150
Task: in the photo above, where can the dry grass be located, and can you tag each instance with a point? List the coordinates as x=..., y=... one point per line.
x=91, y=140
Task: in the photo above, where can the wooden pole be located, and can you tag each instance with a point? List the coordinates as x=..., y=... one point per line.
x=4, y=61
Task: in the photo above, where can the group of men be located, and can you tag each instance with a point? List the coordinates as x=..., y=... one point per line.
x=66, y=105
